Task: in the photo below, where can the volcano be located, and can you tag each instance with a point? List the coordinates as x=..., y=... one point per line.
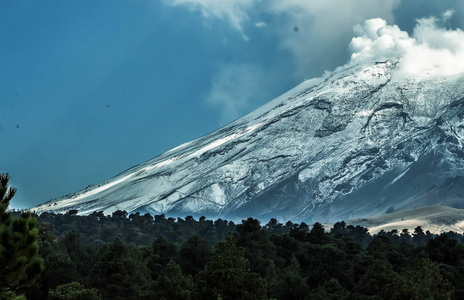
x=360, y=141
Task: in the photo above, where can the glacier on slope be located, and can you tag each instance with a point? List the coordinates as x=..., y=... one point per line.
x=350, y=144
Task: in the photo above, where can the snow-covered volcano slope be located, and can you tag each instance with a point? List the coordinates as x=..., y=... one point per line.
x=351, y=144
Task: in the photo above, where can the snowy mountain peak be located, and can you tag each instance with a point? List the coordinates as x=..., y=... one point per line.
x=350, y=144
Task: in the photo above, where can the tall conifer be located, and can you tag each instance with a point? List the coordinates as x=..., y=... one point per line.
x=20, y=262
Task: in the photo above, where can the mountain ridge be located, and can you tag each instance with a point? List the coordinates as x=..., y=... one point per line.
x=334, y=147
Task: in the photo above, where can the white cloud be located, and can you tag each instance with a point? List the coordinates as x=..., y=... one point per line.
x=316, y=34
x=430, y=50
x=235, y=88
x=233, y=11
x=324, y=29
x=447, y=15
x=378, y=41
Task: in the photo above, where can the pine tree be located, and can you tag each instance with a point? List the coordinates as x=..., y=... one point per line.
x=172, y=285
x=120, y=273
x=226, y=276
x=20, y=263
x=194, y=254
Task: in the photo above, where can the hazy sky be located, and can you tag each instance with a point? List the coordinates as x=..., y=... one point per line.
x=90, y=88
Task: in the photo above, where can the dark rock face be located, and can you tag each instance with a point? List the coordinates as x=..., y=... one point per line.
x=355, y=143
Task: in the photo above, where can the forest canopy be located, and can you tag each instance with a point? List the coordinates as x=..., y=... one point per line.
x=134, y=256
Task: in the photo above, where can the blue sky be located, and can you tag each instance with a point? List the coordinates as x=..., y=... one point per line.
x=90, y=88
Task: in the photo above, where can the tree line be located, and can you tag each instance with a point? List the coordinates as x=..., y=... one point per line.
x=134, y=256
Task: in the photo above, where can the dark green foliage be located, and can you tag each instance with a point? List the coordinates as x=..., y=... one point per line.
x=378, y=275
x=97, y=229
x=424, y=281
x=419, y=237
x=20, y=263
x=331, y=289
x=275, y=227
x=444, y=249
x=120, y=273
x=286, y=248
x=166, y=258
x=339, y=228
x=171, y=284
x=291, y=285
x=60, y=268
x=11, y=296
x=145, y=257
x=195, y=253
x=259, y=250
x=162, y=252
x=359, y=234
x=79, y=253
x=317, y=235
x=320, y=263
x=226, y=276
x=73, y=291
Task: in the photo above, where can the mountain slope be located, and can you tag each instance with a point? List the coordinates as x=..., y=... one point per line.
x=350, y=144
x=436, y=219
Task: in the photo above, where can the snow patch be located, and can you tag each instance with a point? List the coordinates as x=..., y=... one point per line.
x=397, y=178
x=224, y=140
x=75, y=198
x=218, y=194
x=364, y=113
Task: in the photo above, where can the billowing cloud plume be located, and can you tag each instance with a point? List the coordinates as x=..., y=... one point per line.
x=315, y=33
x=324, y=29
x=378, y=41
x=430, y=50
x=313, y=36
